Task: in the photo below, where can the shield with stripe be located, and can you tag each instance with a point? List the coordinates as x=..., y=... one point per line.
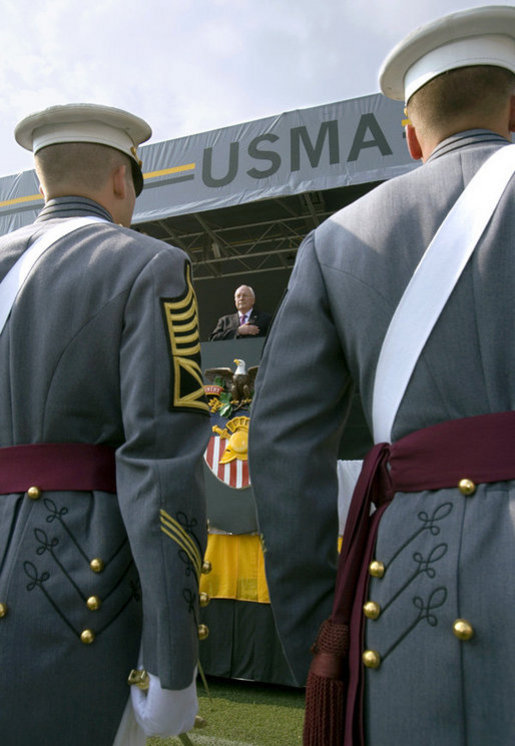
x=226, y=453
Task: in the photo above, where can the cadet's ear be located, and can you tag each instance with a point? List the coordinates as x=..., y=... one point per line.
x=512, y=114
x=118, y=177
x=414, y=148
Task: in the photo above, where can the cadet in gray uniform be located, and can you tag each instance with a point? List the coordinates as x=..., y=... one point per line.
x=439, y=667
x=103, y=428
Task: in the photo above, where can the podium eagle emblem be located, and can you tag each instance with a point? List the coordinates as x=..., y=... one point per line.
x=229, y=396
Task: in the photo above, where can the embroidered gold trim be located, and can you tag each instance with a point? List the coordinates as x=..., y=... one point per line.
x=181, y=318
x=173, y=529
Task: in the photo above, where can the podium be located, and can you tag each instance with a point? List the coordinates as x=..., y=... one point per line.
x=243, y=641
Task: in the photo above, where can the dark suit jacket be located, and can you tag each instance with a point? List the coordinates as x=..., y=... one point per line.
x=227, y=326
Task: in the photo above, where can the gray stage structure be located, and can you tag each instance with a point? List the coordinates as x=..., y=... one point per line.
x=239, y=200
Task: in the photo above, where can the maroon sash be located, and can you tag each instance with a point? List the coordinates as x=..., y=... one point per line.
x=57, y=466
x=481, y=449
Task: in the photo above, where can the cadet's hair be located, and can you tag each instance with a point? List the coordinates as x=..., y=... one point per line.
x=81, y=165
x=478, y=89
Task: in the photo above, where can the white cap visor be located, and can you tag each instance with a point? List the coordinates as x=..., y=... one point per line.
x=494, y=50
x=91, y=123
x=477, y=36
x=93, y=132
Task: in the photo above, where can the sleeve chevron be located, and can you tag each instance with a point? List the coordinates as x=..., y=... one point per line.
x=181, y=324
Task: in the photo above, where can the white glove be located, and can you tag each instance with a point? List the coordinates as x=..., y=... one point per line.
x=165, y=712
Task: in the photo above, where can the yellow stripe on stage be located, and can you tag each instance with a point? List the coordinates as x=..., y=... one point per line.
x=238, y=568
x=20, y=200
x=148, y=175
x=167, y=171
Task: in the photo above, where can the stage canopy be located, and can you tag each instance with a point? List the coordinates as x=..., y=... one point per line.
x=335, y=145
x=239, y=200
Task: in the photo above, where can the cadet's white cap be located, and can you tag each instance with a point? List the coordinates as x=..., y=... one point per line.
x=92, y=123
x=476, y=36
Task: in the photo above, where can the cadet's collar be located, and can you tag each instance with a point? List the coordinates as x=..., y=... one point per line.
x=465, y=139
x=72, y=206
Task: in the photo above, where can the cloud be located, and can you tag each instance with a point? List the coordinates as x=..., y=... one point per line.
x=191, y=65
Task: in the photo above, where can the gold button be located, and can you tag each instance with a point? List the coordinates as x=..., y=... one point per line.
x=376, y=569
x=87, y=636
x=466, y=487
x=3, y=610
x=463, y=629
x=372, y=610
x=203, y=631
x=93, y=603
x=371, y=659
x=34, y=493
x=206, y=567
x=204, y=599
x=97, y=565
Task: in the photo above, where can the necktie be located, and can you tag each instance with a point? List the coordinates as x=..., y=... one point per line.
x=243, y=318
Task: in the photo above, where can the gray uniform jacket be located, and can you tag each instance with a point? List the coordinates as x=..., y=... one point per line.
x=446, y=556
x=92, y=353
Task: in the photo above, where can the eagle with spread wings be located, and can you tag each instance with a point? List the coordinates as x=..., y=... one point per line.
x=240, y=382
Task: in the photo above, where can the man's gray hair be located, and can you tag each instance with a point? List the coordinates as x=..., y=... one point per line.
x=245, y=286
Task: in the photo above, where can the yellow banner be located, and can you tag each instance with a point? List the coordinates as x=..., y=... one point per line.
x=238, y=568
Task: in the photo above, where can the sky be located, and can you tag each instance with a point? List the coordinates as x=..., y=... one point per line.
x=188, y=66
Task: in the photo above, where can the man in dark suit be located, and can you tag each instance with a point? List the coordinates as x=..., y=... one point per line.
x=246, y=322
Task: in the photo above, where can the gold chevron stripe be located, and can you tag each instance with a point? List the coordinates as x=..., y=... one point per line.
x=181, y=318
x=175, y=531
x=170, y=521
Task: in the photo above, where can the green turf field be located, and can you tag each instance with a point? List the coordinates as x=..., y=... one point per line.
x=242, y=713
